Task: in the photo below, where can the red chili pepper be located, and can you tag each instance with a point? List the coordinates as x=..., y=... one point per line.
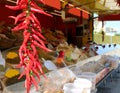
x=40, y=46
x=39, y=11
x=35, y=37
x=34, y=82
x=31, y=64
x=30, y=53
x=33, y=4
x=31, y=61
x=27, y=37
x=34, y=49
x=36, y=60
x=21, y=59
x=38, y=28
x=27, y=22
x=28, y=85
x=23, y=14
x=22, y=51
x=30, y=18
x=40, y=68
x=17, y=2
x=21, y=26
x=25, y=32
x=22, y=74
x=38, y=34
x=19, y=65
x=16, y=7
x=21, y=54
x=27, y=73
x=36, y=73
x=34, y=65
x=34, y=25
x=25, y=83
x=36, y=20
x=21, y=2
x=12, y=17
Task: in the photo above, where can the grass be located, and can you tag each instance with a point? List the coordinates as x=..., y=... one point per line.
x=107, y=39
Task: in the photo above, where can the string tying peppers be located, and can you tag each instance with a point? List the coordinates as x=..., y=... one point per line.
x=33, y=38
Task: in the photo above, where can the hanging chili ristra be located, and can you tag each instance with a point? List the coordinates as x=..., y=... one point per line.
x=29, y=24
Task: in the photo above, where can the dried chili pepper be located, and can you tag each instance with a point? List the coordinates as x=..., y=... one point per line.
x=22, y=74
x=38, y=34
x=27, y=36
x=33, y=4
x=38, y=39
x=40, y=46
x=21, y=26
x=36, y=73
x=39, y=11
x=16, y=7
x=21, y=2
x=17, y=2
x=13, y=17
x=28, y=22
x=34, y=82
x=30, y=18
x=34, y=49
x=36, y=20
x=23, y=14
x=27, y=73
x=28, y=85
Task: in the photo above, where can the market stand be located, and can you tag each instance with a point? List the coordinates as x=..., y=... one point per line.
x=102, y=74
x=80, y=36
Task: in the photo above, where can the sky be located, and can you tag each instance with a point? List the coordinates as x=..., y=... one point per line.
x=113, y=24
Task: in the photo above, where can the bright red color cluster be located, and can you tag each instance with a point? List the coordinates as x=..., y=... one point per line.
x=29, y=24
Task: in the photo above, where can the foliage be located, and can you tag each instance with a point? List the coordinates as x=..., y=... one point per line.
x=107, y=40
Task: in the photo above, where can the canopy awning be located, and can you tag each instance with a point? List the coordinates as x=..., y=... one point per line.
x=53, y=3
x=106, y=9
x=109, y=17
x=100, y=7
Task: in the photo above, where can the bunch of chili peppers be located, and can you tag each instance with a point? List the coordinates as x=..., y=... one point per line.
x=29, y=24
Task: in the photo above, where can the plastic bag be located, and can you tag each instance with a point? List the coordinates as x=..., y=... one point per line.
x=56, y=79
x=109, y=61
